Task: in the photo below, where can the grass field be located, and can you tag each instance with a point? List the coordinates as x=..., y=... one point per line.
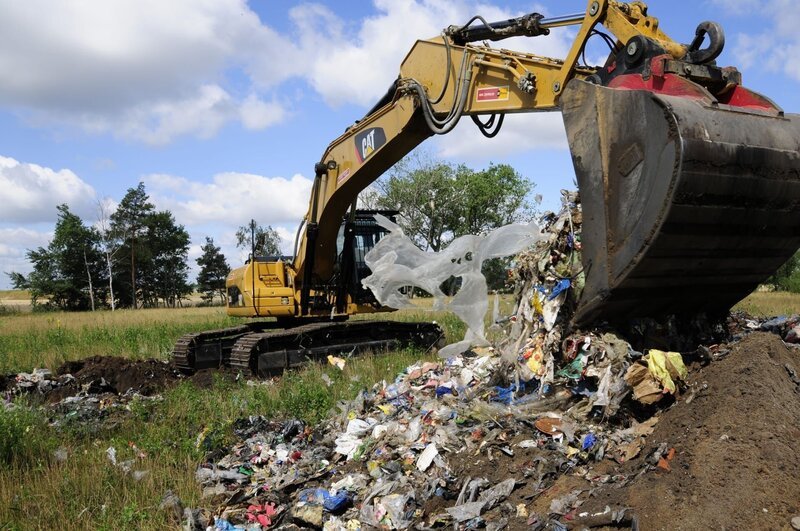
x=85, y=491
x=769, y=304
x=49, y=339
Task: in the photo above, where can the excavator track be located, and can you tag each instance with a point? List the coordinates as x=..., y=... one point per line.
x=211, y=348
x=244, y=355
x=264, y=352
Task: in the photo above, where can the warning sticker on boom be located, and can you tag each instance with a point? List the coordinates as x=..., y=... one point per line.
x=492, y=94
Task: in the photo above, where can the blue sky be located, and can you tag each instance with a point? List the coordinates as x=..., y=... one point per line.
x=222, y=107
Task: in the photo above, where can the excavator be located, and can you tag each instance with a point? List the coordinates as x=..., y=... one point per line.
x=689, y=183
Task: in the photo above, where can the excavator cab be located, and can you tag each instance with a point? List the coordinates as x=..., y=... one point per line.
x=357, y=236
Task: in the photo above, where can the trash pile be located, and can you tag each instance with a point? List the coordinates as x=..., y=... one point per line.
x=453, y=442
x=786, y=327
x=734, y=446
x=94, y=375
x=465, y=442
x=477, y=439
x=94, y=392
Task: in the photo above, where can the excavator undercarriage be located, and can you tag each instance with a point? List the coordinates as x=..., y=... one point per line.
x=265, y=348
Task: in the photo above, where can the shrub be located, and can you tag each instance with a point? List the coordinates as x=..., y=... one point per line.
x=23, y=435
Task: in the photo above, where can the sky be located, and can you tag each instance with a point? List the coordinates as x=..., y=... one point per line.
x=222, y=107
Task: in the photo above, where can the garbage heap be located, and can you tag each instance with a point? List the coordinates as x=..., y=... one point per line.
x=468, y=441
x=450, y=442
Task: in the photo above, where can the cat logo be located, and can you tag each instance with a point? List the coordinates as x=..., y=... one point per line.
x=369, y=140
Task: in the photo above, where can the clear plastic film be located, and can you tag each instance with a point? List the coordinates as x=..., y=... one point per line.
x=397, y=263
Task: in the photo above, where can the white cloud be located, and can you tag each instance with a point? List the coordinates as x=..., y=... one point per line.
x=142, y=69
x=14, y=242
x=30, y=193
x=259, y=114
x=520, y=132
x=218, y=208
x=201, y=114
x=358, y=66
x=232, y=198
x=776, y=48
x=154, y=71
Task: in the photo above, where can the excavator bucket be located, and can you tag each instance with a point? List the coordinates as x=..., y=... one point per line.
x=688, y=204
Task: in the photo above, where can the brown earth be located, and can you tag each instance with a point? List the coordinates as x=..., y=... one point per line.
x=114, y=374
x=737, y=448
x=121, y=374
x=736, y=463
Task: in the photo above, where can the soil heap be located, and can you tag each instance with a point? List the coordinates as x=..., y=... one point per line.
x=737, y=447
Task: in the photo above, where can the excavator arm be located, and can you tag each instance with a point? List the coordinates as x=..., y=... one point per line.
x=444, y=78
x=468, y=79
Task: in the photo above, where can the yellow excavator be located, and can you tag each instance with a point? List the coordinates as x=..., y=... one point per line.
x=689, y=183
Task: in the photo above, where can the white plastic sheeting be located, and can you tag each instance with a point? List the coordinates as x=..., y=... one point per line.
x=397, y=263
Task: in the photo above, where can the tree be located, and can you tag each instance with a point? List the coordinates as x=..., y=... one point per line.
x=64, y=272
x=128, y=223
x=424, y=191
x=109, y=245
x=214, y=271
x=490, y=198
x=163, y=262
x=787, y=277
x=265, y=240
x=439, y=202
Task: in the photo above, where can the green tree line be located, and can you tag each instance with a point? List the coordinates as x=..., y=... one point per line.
x=135, y=257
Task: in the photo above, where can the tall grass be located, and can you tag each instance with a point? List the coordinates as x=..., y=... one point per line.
x=29, y=340
x=87, y=492
x=15, y=294
x=48, y=340
x=770, y=304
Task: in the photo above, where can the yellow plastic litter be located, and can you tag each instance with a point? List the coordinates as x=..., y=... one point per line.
x=336, y=362
x=666, y=367
x=536, y=302
x=572, y=451
x=536, y=362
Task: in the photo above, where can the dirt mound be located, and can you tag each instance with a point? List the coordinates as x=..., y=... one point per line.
x=737, y=448
x=117, y=375
x=98, y=375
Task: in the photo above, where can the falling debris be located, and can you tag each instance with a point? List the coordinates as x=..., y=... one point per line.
x=337, y=362
x=397, y=263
